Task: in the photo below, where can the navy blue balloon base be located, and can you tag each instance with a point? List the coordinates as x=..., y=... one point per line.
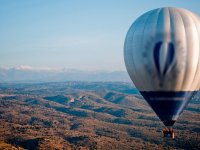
x=168, y=105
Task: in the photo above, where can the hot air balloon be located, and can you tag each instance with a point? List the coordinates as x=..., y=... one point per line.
x=162, y=57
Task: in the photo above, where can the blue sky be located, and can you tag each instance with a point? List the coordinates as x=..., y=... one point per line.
x=86, y=35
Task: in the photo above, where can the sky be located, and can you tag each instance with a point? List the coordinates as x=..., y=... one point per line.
x=71, y=34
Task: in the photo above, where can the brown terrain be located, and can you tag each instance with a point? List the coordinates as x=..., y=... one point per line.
x=88, y=115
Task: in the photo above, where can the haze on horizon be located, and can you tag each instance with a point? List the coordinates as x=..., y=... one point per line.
x=85, y=35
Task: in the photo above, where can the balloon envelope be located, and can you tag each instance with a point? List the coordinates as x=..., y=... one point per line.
x=162, y=57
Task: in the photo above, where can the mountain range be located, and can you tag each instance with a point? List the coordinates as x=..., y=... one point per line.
x=28, y=74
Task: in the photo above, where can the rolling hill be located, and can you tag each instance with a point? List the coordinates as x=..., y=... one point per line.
x=88, y=115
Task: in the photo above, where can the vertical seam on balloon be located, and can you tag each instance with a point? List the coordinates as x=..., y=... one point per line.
x=184, y=76
x=147, y=18
x=136, y=23
x=189, y=87
x=172, y=37
x=156, y=28
x=125, y=49
x=132, y=56
x=198, y=50
x=139, y=80
x=198, y=60
x=169, y=59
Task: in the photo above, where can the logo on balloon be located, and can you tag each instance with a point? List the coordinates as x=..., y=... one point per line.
x=168, y=60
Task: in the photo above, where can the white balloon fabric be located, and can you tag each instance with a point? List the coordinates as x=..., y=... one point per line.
x=162, y=57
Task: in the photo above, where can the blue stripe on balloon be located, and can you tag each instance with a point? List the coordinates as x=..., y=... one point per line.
x=157, y=55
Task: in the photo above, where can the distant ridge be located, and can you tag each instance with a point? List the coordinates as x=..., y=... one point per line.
x=27, y=74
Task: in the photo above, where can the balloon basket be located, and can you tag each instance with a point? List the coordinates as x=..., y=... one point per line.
x=168, y=133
